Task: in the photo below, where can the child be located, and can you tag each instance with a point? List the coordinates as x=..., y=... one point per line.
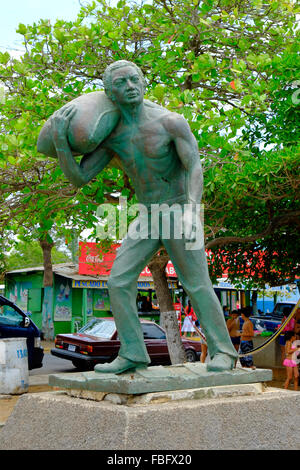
x=289, y=361
x=202, y=341
x=289, y=327
x=189, y=321
x=233, y=325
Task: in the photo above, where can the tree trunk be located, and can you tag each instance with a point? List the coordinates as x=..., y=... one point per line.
x=254, y=302
x=47, y=313
x=168, y=316
x=48, y=273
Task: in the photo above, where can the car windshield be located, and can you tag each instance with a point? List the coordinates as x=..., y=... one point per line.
x=152, y=331
x=9, y=316
x=280, y=309
x=100, y=328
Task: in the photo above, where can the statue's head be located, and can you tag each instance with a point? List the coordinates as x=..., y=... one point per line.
x=119, y=70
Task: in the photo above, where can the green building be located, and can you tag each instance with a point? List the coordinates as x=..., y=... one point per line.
x=71, y=302
x=75, y=298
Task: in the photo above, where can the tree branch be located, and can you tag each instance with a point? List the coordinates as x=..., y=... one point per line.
x=287, y=219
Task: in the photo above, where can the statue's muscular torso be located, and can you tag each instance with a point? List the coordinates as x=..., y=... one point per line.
x=149, y=157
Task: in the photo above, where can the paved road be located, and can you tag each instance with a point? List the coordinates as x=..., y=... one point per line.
x=53, y=365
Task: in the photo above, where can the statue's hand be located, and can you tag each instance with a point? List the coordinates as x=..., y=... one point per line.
x=60, y=122
x=188, y=221
x=191, y=222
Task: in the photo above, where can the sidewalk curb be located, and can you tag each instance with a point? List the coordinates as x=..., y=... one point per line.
x=38, y=379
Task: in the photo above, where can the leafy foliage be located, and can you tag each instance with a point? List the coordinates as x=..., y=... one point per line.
x=227, y=65
x=27, y=254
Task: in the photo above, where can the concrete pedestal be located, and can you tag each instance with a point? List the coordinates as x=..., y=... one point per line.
x=252, y=418
x=159, y=378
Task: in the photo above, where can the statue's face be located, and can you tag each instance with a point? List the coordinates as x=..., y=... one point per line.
x=127, y=86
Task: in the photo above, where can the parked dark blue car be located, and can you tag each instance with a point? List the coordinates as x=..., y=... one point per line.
x=14, y=323
x=271, y=324
x=273, y=320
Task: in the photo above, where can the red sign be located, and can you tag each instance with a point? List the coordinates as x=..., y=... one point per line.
x=96, y=261
x=170, y=270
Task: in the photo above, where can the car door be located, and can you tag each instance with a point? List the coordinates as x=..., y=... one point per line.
x=156, y=343
x=12, y=325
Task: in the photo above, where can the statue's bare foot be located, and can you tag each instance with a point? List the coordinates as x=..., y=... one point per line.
x=118, y=366
x=221, y=362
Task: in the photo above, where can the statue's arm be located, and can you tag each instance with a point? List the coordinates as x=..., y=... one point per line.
x=187, y=150
x=91, y=164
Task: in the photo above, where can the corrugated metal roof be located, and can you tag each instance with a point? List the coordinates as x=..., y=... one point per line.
x=39, y=268
x=70, y=270
x=25, y=270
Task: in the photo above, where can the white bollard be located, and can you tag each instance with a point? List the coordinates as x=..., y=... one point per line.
x=14, y=374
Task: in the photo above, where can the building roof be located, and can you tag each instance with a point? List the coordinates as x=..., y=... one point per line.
x=70, y=270
x=26, y=270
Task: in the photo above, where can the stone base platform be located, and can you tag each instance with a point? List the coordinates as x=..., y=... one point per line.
x=238, y=417
x=171, y=395
x=158, y=378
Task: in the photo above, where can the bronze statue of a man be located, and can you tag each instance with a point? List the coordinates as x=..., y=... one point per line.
x=160, y=155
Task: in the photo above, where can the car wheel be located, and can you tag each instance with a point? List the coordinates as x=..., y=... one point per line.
x=190, y=355
x=83, y=365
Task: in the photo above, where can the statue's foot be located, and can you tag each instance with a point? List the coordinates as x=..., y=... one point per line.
x=118, y=366
x=221, y=362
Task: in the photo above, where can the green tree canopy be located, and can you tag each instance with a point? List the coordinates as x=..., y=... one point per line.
x=227, y=65
x=28, y=254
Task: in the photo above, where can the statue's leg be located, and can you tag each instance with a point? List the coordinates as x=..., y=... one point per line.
x=191, y=268
x=131, y=259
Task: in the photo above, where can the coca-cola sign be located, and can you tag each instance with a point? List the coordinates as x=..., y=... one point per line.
x=97, y=261
x=94, y=259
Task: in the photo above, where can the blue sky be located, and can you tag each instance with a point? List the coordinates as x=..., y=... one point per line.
x=13, y=12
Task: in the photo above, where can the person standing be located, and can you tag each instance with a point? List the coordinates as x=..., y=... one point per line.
x=233, y=325
x=139, y=300
x=289, y=361
x=226, y=312
x=189, y=321
x=146, y=304
x=203, y=343
x=246, y=344
x=289, y=327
